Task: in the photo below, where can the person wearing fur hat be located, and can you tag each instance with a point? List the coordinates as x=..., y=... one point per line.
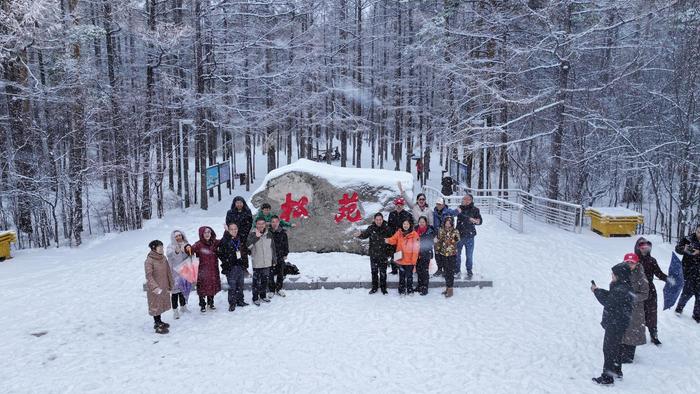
x=177, y=253
x=159, y=282
x=617, y=310
x=635, y=334
x=395, y=221
x=642, y=249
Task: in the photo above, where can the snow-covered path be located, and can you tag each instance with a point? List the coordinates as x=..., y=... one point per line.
x=536, y=330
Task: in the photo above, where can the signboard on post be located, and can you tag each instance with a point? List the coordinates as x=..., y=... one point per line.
x=212, y=176
x=224, y=172
x=459, y=172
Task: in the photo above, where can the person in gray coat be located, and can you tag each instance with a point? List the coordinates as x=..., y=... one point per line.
x=635, y=335
x=262, y=249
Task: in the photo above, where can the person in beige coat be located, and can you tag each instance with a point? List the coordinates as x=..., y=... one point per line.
x=159, y=283
x=635, y=335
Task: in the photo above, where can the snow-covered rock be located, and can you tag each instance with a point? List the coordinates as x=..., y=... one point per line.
x=324, y=185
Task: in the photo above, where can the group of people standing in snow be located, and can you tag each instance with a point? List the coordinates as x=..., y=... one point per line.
x=411, y=237
x=631, y=302
x=262, y=238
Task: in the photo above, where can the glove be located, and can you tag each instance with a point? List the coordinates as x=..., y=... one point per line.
x=158, y=290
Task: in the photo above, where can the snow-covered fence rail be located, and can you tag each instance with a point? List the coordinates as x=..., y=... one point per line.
x=565, y=215
x=509, y=212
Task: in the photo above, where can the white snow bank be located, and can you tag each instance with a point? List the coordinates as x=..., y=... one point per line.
x=343, y=177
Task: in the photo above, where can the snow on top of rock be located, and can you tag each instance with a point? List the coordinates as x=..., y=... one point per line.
x=344, y=176
x=615, y=211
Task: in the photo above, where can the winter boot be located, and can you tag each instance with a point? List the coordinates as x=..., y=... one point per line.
x=444, y=292
x=265, y=299
x=449, y=293
x=256, y=302
x=424, y=291
x=469, y=275
x=202, y=308
x=161, y=329
x=176, y=314
x=384, y=291
x=183, y=309
x=654, y=334
x=281, y=293
x=242, y=304
x=232, y=307
x=212, y=307
x=437, y=274
x=604, y=380
x=679, y=311
x=374, y=290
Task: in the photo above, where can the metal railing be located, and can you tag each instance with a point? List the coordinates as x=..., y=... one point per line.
x=509, y=212
x=565, y=215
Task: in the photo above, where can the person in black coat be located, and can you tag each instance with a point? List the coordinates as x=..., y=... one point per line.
x=396, y=219
x=233, y=253
x=447, y=185
x=617, y=310
x=377, y=232
x=689, y=247
x=427, y=241
x=241, y=215
x=279, y=237
x=642, y=248
x=468, y=217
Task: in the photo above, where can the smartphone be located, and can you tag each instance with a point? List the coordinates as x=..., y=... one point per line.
x=593, y=282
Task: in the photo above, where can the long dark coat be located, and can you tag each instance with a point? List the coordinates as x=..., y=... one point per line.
x=635, y=334
x=208, y=279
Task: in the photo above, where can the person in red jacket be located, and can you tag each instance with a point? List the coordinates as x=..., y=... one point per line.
x=407, y=242
x=642, y=249
x=208, y=280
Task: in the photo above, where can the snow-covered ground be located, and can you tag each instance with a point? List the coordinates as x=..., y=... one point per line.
x=536, y=330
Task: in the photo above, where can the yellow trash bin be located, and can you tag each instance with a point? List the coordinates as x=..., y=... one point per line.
x=614, y=221
x=6, y=237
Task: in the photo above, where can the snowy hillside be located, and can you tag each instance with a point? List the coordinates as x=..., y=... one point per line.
x=536, y=330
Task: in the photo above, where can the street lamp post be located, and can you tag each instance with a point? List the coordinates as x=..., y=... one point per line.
x=182, y=160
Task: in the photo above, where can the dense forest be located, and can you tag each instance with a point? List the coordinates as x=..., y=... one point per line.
x=588, y=101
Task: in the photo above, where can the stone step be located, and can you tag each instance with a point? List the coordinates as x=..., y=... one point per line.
x=319, y=284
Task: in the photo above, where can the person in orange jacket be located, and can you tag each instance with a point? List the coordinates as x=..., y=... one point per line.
x=407, y=244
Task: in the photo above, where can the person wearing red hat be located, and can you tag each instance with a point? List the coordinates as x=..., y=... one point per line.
x=396, y=218
x=636, y=333
x=617, y=309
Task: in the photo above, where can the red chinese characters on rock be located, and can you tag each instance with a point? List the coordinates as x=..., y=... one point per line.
x=348, y=209
x=295, y=209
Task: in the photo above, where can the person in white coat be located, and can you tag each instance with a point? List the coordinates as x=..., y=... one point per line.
x=177, y=252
